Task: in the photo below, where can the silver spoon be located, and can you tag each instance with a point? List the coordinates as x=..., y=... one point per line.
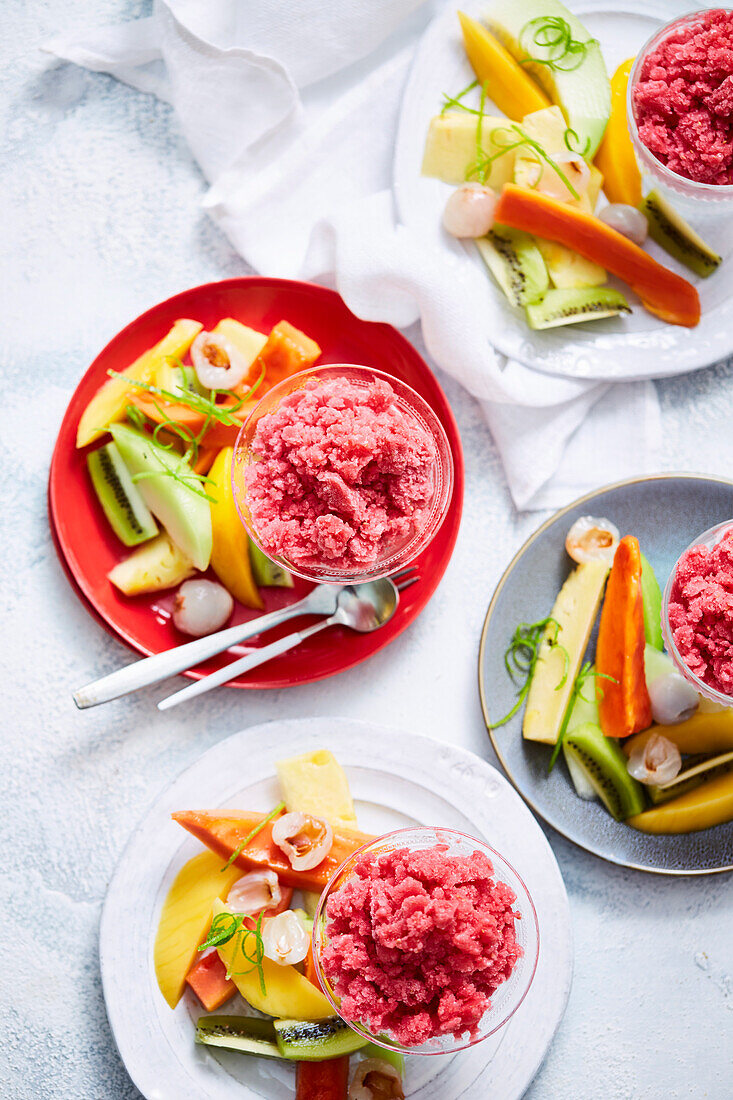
x=322, y=600
x=361, y=607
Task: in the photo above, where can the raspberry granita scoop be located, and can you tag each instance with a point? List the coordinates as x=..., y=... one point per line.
x=701, y=612
x=418, y=942
x=346, y=475
x=683, y=99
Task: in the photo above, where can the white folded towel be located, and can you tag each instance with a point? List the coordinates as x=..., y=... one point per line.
x=291, y=111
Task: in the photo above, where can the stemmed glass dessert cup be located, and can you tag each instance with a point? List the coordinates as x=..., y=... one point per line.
x=508, y=996
x=709, y=538
x=690, y=198
x=414, y=407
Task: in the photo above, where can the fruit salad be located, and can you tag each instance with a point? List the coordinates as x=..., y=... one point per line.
x=159, y=440
x=235, y=930
x=414, y=936
x=549, y=190
x=632, y=730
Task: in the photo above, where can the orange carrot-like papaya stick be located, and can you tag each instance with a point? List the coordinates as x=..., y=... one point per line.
x=662, y=292
x=224, y=830
x=623, y=700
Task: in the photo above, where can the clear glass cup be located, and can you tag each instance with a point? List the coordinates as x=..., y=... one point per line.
x=410, y=402
x=509, y=995
x=708, y=538
x=691, y=199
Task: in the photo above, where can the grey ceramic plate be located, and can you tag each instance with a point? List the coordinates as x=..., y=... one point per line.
x=666, y=513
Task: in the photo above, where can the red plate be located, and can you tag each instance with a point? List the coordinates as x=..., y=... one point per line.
x=88, y=549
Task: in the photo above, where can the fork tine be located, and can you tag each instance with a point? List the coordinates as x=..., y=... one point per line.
x=403, y=573
x=406, y=584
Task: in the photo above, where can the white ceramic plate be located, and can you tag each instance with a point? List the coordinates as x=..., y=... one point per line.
x=639, y=346
x=397, y=779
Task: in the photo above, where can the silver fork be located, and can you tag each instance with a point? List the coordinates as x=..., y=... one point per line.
x=361, y=607
x=323, y=600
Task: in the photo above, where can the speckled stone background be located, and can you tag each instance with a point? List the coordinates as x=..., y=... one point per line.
x=99, y=220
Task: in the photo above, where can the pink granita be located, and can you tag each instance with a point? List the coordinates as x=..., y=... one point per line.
x=345, y=476
x=701, y=612
x=418, y=941
x=684, y=99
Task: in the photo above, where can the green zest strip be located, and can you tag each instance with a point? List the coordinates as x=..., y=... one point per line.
x=191, y=442
x=502, y=138
x=450, y=101
x=583, y=676
x=224, y=927
x=553, y=35
x=257, y=829
x=522, y=655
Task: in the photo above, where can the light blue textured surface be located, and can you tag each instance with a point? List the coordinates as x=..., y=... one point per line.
x=100, y=219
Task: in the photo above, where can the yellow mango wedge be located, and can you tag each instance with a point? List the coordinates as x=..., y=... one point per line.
x=288, y=994
x=703, y=733
x=615, y=157
x=507, y=84
x=230, y=547
x=109, y=402
x=315, y=783
x=707, y=805
x=185, y=919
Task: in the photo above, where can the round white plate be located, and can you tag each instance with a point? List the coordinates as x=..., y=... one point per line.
x=639, y=346
x=397, y=779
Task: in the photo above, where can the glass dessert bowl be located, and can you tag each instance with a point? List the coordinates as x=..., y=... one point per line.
x=687, y=195
x=678, y=633
x=342, y=474
x=469, y=893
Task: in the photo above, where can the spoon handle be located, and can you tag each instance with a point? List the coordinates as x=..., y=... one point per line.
x=243, y=664
x=150, y=670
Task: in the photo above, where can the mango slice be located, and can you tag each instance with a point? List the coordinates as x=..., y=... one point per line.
x=287, y=993
x=703, y=733
x=615, y=157
x=507, y=84
x=701, y=808
x=185, y=919
x=230, y=547
x=109, y=402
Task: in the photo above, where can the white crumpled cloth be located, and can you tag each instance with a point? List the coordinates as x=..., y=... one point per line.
x=291, y=111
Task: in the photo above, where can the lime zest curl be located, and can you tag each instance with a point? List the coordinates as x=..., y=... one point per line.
x=554, y=35
x=522, y=654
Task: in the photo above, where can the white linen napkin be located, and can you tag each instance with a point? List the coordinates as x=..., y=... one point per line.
x=291, y=111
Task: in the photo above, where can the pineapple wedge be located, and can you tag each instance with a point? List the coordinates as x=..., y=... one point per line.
x=561, y=651
x=315, y=783
x=450, y=148
x=154, y=566
x=247, y=341
x=109, y=402
x=185, y=919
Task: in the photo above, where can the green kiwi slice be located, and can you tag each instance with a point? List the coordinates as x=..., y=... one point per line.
x=675, y=236
x=696, y=771
x=266, y=572
x=127, y=513
x=244, y=1034
x=516, y=263
x=574, y=304
x=604, y=766
x=313, y=1041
